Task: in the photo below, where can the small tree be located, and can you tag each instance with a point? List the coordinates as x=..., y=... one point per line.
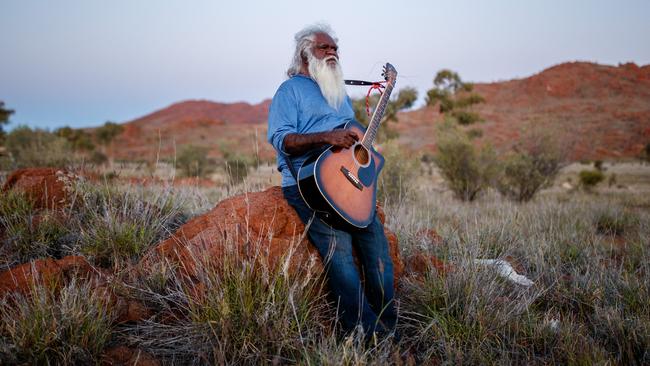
x=645, y=153
x=4, y=119
x=79, y=139
x=590, y=178
x=33, y=148
x=466, y=169
x=533, y=165
x=404, y=100
x=237, y=167
x=105, y=136
x=193, y=161
x=454, y=97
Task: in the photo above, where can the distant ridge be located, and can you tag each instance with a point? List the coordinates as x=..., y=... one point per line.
x=604, y=111
x=203, y=110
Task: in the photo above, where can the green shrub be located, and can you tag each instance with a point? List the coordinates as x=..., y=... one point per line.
x=590, y=178
x=79, y=140
x=475, y=133
x=611, y=181
x=193, y=161
x=523, y=175
x=534, y=164
x=66, y=327
x=403, y=100
x=237, y=168
x=397, y=178
x=454, y=96
x=427, y=158
x=98, y=158
x=114, y=238
x=614, y=223
x=466, y=117
x=37, y=148
x=598, y=164
x=467, y=170
x=469, y=100
x=645, y=153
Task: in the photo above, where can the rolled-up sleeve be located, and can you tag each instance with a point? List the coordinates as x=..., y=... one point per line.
x=283, y=119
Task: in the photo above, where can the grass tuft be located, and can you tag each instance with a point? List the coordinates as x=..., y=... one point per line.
x=68, y=327
x=26, y=233
x=241, y=311
x=117, y=226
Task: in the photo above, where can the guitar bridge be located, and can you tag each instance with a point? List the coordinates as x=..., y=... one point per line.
x=354, y=180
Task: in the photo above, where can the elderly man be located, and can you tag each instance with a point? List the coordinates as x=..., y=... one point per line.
x=302, y=117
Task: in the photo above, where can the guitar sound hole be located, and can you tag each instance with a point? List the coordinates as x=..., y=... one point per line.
x=361, y=154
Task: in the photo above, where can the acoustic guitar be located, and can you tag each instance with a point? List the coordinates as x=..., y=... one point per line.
x=341, y=184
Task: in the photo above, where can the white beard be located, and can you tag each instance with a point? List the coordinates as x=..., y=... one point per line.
x=329, y=79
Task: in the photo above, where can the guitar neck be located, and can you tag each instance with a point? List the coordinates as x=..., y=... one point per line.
x=371, y=131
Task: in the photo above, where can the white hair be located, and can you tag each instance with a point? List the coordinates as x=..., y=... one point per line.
x=304, y=40
x=329, y=79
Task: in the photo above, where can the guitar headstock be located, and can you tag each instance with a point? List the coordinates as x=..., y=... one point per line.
x=389, y=73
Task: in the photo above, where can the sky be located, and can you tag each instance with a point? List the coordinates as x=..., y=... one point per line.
x=82, y=63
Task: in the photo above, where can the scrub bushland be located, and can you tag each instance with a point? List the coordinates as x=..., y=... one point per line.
x=586, y=254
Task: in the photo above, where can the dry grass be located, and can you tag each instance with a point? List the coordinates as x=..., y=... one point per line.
x=587, y=253
x=67, y=327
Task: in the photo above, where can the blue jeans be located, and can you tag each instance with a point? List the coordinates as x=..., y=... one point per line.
x=373, y=308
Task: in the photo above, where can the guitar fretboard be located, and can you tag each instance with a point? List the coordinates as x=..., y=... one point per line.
x=371, y=131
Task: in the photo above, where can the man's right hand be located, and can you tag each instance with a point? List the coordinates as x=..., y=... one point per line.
x=342, y=138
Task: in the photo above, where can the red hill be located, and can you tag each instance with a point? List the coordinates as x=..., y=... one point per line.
x=601, y=111
x=604, y=111
x=218, y=126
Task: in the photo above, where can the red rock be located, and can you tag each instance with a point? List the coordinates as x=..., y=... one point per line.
x=43, y=186
x=260, y=223
x=515, y=263
x=419, y=264
x=429, y=236
x=21, y=278
x=128, y=310
x=125, y=356
x=56, y=272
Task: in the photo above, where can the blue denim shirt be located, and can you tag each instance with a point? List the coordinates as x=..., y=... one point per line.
x=299, y=107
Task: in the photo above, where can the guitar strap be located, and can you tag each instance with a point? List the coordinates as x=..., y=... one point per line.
x=291, y=168
x=361, y=82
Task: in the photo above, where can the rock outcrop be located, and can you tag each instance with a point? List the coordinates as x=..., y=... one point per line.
x=258, y=224
x=45, y=187
x=21, y=278
x=55, y=273
x=125, y=356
